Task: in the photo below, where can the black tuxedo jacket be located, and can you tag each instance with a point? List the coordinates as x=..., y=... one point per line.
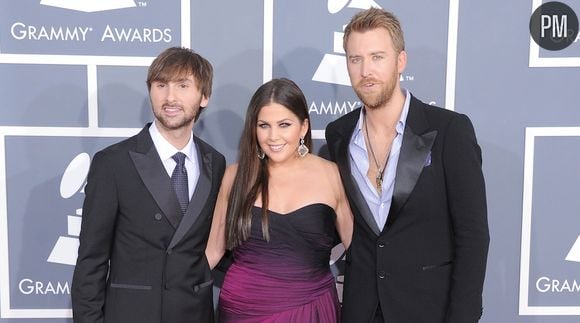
x=428, y=263
x=137, y=261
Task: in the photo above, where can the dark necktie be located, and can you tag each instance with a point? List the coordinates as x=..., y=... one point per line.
x=179, y=181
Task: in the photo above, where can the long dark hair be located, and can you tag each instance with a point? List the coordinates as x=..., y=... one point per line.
x=252, y=175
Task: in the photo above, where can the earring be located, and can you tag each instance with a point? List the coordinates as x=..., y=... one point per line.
x=261, y=153
x=302, y=149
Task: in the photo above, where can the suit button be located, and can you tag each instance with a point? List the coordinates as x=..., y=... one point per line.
x=381, y=244
x=382, y=274
x=166, y=286
x=169, y=251
x=196, y=289
x=158, y=216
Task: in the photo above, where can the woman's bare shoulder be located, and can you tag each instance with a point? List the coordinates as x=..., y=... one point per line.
x=324, y=169
x=321, y=162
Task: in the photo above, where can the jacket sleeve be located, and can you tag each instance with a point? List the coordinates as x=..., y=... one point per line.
x=329, y=135
x=96, y=239
x=467, y=206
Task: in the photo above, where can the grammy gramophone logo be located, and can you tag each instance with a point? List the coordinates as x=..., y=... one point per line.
x=89, y=5
x=332, y=68
x=574, y=253
x=72, y=182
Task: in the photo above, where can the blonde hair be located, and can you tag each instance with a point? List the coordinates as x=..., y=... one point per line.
x=374, y=18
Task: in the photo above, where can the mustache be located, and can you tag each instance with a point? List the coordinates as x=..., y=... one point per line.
x=368, y=80
x=171, y=104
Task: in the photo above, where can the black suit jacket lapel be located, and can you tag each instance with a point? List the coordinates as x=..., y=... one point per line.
x=342, y=156
x=154, y=176
x=200, y=194
x=415, y=150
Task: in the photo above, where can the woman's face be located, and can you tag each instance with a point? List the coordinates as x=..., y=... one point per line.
x=279, y=131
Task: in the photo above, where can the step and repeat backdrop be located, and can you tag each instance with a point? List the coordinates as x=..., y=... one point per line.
x=72, y=81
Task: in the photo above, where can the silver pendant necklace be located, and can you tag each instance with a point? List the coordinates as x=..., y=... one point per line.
x=380, y=172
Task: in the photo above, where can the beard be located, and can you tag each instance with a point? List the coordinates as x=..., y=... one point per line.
x=175, y=123
x=376, y=100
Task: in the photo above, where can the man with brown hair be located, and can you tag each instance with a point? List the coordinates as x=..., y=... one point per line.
x=413, y=176
x=148, y=208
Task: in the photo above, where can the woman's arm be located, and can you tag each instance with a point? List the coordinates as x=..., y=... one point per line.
x=216, y=243
x=344, y=217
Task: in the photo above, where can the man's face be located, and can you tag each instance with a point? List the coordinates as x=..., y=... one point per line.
x=374, y=66
x=176, y=103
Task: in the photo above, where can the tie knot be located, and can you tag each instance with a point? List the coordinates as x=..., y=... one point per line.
x=179, y=158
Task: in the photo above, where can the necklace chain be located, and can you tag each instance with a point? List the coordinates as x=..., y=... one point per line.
x=380, y=172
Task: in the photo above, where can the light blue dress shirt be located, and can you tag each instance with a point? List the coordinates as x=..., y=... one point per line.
x=359, y=165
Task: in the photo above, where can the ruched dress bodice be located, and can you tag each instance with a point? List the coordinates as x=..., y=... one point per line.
x=288, y=278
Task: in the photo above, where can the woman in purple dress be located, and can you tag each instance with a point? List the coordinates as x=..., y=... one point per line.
x=278, y=210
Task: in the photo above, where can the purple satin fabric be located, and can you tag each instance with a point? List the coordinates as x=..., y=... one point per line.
x=287, y=279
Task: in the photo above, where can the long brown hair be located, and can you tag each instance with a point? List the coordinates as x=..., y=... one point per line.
x=252, y=175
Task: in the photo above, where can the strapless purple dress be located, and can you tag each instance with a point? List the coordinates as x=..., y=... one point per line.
x=287, y=279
